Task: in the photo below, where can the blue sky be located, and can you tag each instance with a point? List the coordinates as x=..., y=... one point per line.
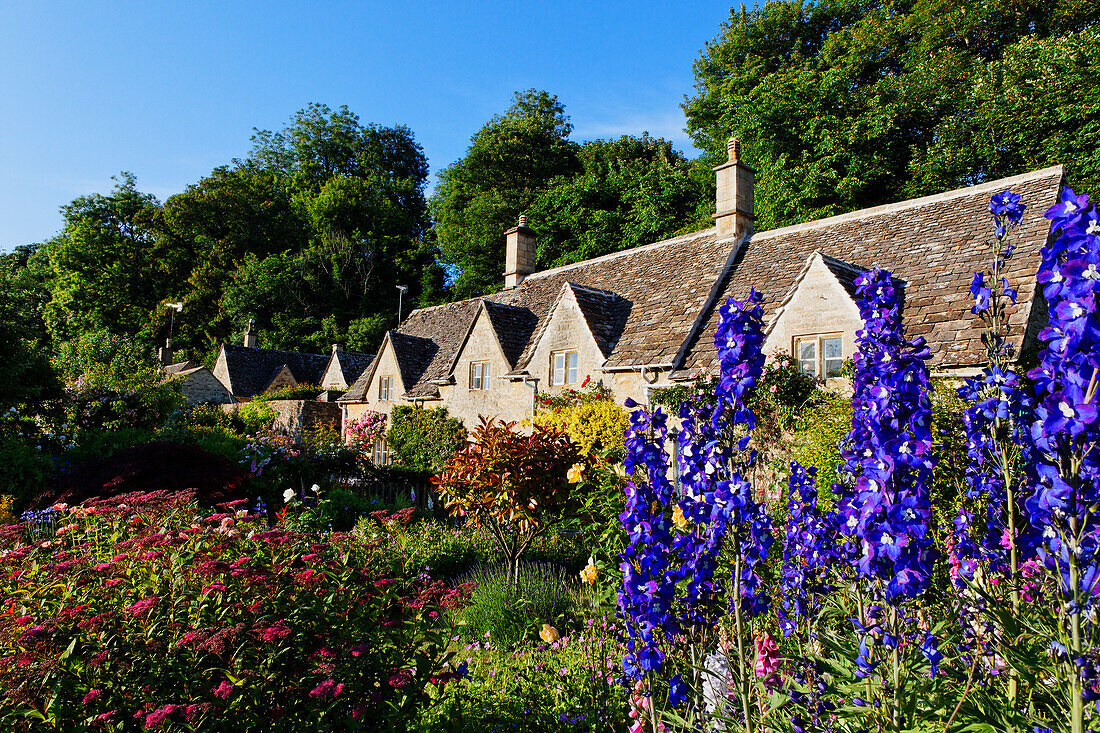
x=168, y=91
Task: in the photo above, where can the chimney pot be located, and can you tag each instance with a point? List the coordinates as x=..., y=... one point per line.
x=523, y=220
x=733, y=149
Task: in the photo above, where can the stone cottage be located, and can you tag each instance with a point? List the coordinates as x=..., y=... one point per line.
x=645, y=318
x=247, y=371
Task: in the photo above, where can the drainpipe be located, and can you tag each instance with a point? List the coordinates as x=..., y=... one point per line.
x=533, y=383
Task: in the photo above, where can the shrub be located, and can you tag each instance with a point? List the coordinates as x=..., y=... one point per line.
x=589, y=417
x=24, y=470
x=292, y=392
x=516, y=484
x=424, y=440
x=366, y=429
x=257, y=416
x=159, y=616
x=508, y=612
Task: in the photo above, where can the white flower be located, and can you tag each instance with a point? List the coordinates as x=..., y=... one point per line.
x=288, y=495
x=1094, y=228
x=315, y=489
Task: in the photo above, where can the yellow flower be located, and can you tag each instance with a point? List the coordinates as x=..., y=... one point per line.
x=576, y=473
x=679, y=519
x=549, y=634
x=590, y=572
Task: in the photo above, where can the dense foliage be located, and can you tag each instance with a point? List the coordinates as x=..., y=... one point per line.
x=422, y=439
x=515, y=484
x=842, y=105
x=583, y=200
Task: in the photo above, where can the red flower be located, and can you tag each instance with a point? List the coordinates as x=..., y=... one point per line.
x=92, y=696
x=142, y=606
x=328, y=688
x=400, y=678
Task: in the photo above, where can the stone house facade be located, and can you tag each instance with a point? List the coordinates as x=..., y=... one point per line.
x=645, y=318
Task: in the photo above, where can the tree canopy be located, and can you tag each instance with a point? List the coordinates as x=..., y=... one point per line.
x=584, y=200
x=843, y=104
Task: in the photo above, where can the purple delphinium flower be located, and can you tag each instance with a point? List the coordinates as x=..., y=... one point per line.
x=809, y=544
x=1063, y=505
x=670, y=580
x=888, y=453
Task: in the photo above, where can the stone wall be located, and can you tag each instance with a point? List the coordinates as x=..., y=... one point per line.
x=295, y=417
x=819, y=306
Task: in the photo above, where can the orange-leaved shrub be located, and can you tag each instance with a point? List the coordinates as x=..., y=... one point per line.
x=514, y=483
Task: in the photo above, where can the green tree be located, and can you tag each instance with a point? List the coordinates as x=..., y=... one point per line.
x=630, y=191
x=360, y=189
x=234, y=214
x=26, y=376
x=843, y=104
x=107, y=268
x=511, y=160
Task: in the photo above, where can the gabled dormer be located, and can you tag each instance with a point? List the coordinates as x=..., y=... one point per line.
x=817, y=319
x=575, y=340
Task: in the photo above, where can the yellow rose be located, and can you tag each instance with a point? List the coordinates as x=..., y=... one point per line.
x=679, y=519
x=590, y=572
x=549, y=634
x=576, y=473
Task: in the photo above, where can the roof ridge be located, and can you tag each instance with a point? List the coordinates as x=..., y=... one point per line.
x=612, y=255
x=936, y=198
x=276, y=351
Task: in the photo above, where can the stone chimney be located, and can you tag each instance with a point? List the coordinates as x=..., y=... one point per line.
x=164, y=353
x=250, y=336
x=519, y=253
x=734, y=212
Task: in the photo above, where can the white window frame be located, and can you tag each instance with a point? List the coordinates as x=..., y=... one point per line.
x=480, y=375
x=821, y=363
x=565, y=374
x=382, y=452
x=385, y=389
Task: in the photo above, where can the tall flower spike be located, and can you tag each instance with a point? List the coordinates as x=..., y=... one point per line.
x=888, y=452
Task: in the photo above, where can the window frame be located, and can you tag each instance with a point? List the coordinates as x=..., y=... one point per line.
x=821, y=361
x=382, y=455
x=385, y=389
x=565, y=355
x=480, y=375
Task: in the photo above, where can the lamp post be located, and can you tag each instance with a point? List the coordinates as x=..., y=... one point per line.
x=166, y=352
x=401, y=290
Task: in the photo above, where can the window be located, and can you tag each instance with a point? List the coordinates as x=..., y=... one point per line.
x=479, y=375
x=563, y=368
x=820, y=356
x=381, y=452
x=385, y=388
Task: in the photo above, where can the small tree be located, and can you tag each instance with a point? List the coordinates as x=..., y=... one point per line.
x=516, y=484
x=424, y=440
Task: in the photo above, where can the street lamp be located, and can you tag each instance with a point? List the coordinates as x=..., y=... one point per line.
x=401, y=290
x=175, y=308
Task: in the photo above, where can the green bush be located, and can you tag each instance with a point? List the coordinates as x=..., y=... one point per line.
x=510, y=613
x=292, y=392
x=24, y=470
x=104, y=443
x=217, y=439
x=256, y=416
x=424, y=440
